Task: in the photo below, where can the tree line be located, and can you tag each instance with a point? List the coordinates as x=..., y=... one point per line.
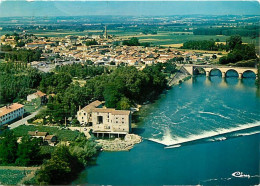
x=238, y=51
x=81, y=71
x=249, y=31
x=120, y=89
x=203, y=45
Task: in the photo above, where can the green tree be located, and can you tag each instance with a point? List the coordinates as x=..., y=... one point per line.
x=85, y=150
x=233, y=41
x=8, y=148
x=28, y=152
x=60, y=169
x=124, y=104
x=132, y=42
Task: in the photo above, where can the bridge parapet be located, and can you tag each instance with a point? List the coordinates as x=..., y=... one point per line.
x=222, y=69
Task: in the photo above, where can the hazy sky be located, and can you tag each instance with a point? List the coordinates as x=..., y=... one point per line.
x=77, y=8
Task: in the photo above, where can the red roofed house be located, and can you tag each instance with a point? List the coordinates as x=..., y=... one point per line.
x=47, y=139
x=36, y=95
x=9, y=113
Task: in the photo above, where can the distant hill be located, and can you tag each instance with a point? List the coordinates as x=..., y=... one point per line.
x=78, y=8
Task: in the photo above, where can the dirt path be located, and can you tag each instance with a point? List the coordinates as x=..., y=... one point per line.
x=18, y=168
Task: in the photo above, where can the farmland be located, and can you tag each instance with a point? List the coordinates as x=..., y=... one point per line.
x=12, y=177
x=164, y=38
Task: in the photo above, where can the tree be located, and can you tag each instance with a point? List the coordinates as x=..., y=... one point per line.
x=85, y=150
x=60, y=169
x=8, y=148
x=112, y=94
x=124, y=104
x=28, y=152
x=214, y=56
x=91, y=42
x=233, y=41
x=132, y=42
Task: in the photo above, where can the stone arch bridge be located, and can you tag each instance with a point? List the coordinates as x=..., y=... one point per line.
x=223, y=69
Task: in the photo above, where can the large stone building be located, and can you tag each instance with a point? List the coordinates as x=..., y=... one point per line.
x=105, y=121
x=10, y=112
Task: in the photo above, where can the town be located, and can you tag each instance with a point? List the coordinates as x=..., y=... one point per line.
x=100, y=50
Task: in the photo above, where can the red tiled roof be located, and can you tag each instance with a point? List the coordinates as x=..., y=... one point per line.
x=7, y=109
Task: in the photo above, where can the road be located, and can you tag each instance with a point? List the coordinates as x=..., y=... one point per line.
x=22, y=121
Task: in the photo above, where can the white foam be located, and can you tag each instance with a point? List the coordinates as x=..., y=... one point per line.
x=248, y=133
x=170, y=140
x=220, y=138
x=215, y=114
x=174, y=146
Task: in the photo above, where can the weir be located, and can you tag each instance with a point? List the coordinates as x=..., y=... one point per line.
x=208, y=134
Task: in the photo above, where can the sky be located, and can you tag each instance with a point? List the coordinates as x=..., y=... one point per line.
x=132, y=8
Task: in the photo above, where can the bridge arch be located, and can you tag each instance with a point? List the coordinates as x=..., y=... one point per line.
x=215, y=72
x=249, y=74
x=232, y=73
x=199, y=70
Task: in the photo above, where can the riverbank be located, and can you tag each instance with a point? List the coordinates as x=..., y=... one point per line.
x=120, y=144
x=179, y=77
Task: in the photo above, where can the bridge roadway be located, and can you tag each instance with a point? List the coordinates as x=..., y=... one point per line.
x=223, y=69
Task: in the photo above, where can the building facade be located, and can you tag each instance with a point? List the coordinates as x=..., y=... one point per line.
x=36, y=95
x=11, y=112
x=103, y=120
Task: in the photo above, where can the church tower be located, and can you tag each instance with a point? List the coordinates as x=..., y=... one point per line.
x=105, y=32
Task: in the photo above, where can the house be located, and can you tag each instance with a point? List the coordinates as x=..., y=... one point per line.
x=84, y=115
x=11, y=112
x=51, y=140
x=46, y=138
x=105, y=120
x=36, y=95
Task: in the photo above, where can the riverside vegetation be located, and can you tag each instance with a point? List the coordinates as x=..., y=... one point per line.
x=59, y=165
x=122, y=88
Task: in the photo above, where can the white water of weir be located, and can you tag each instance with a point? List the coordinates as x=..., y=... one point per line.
x=195, y=111
x=170, y=140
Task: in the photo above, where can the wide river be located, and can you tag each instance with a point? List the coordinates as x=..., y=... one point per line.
x=204, y=131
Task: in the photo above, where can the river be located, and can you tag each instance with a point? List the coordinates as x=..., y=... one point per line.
x=204, y=131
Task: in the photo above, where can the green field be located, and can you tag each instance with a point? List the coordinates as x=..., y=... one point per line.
x=167, y=38
x=161, y=38
x=12, y=177
x=33, y=105
x=62, y=134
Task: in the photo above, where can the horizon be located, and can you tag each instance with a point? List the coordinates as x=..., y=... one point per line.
x=127, y=8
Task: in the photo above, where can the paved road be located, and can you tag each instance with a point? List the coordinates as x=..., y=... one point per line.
x=22, y=121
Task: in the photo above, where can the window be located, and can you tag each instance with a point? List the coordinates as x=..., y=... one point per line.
x=100, y=120
x=84, y=114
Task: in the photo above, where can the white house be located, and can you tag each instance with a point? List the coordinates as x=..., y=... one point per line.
x=10, y=112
